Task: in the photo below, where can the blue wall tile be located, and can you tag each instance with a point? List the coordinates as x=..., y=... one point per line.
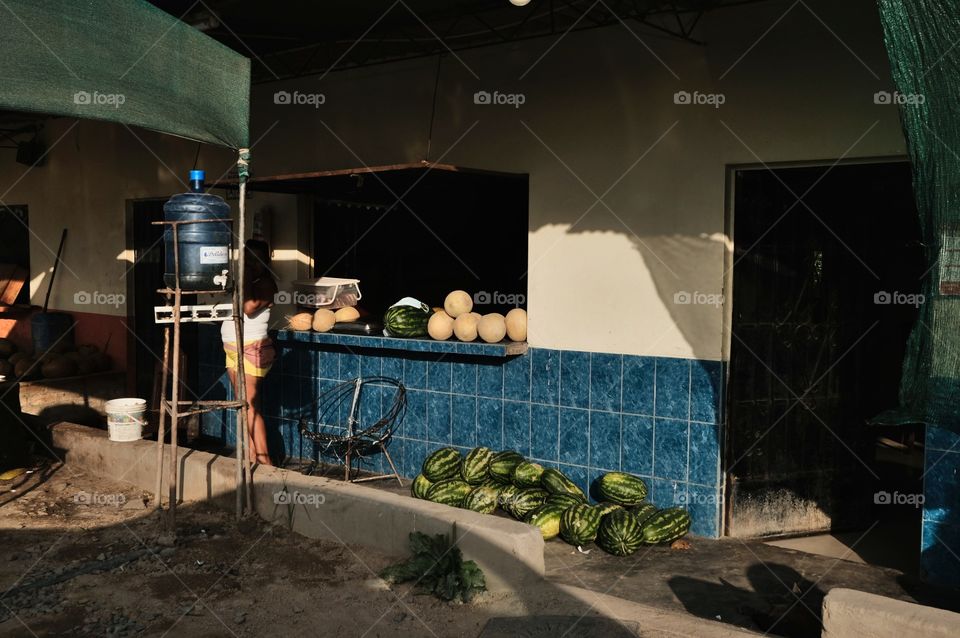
x=544, y=432
x=370, y=366
x=545, y=376
x=371, y=397
x=703, y=503
x=704, y=453
x=575, y=379
x=490, y=379
x=574, y=436
x=415, y=373
x=392, y=367
x=349, y=365
x=604, y=440
x=666, y=493
x=413, y=454
x=670, y=449
x=328, y=365
x=605, y=381
x=438, y=418
x=415, y=421
x=705, y=386
x=942, y=439
x=516, y=378
x=464, y=378
x=673, y=388
x=490, y=423
x=939, y=560
x=516, y=426
x=941, y=487
x=637, y=453
x=439, y=374
x=464, y=418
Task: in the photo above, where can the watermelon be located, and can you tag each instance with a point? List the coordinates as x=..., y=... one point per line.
x=565, y=500
x=441, y=464
x=482, y=499
x=407, y=321
x=503, y=464
x=622, y=488
x=620, y=533
x=507, y=494
x=449, y=492
x=547, y=519
x=556, y=483
x=666, y=526
x=525, y=501
x=527, y=474
x=607, y=508
x=579, y=524
x=473, y=468
x=643, y=511
x=420, y=486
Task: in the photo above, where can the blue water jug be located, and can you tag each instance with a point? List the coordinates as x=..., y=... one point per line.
x=204, y=248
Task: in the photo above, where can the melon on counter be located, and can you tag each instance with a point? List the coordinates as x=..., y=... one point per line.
x=457, y=303
x=324, y=320
x=516, y=321
x=347, y=313
x=58, y=367
x=440, y=326
x=300, y=321
x=465, y=326
x=492, y=327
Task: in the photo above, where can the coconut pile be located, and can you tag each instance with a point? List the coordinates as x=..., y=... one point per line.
x=61, y=361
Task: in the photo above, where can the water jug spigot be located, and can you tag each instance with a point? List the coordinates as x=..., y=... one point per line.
x=221, y=279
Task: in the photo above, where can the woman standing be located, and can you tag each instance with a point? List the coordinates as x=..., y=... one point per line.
x=259, y=289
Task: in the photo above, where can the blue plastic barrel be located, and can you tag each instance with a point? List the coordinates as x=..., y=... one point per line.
x=51, y=330
x=204, y=248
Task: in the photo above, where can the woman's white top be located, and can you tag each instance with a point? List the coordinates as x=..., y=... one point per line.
x=254, y=327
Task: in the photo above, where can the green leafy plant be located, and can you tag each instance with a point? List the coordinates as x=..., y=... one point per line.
x=438, y=567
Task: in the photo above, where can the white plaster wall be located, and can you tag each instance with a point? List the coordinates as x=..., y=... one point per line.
x=599, y=119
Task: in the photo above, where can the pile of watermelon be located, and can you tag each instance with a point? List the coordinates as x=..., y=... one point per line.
x=484, y=480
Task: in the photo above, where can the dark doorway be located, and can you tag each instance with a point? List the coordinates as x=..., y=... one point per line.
x=14, y=254
x=143, y=281
x=825, y=292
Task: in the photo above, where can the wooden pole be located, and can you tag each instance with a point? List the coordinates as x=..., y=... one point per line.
x=164, y=372
x=244, y=472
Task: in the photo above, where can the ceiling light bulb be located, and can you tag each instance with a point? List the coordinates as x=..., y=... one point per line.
x=519, y=3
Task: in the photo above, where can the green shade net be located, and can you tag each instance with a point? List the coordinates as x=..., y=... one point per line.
x=122, y=61
x=922, y=39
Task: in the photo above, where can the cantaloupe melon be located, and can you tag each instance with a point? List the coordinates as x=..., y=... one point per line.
x=6, y=368
x=25, y=368
x=465, y=326
x=440, y=326
x=516, y=321
x=7, y=347
x=492, y=327
x=300, y=321
x=17, y=356
x=457, y=303
x=87, y=349
x=324, y=320
x=347, y=313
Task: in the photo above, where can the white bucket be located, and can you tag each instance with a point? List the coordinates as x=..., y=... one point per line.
x=125, y=419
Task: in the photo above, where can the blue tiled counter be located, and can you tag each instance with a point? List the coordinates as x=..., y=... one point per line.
x=583, y=413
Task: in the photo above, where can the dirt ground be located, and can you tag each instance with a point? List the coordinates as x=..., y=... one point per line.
x=219, y=579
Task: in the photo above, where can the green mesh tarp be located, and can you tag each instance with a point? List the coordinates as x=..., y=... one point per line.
x=122, y=61
x=922, y=39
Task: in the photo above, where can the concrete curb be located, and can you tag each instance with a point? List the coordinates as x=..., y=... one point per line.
x=847, y=612
x=509, y=552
